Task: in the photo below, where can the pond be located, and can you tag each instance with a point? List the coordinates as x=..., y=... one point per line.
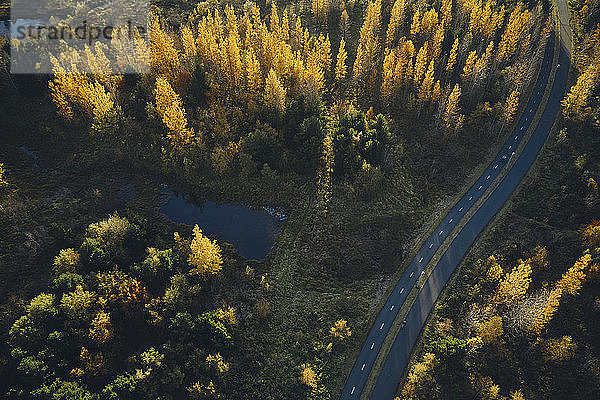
x=252, y=232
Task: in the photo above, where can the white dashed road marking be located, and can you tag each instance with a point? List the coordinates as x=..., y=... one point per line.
x=440, y=232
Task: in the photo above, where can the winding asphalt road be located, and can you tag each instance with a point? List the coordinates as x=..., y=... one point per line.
x=399, y=354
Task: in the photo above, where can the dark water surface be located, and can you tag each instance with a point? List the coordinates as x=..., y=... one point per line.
x=252, y=232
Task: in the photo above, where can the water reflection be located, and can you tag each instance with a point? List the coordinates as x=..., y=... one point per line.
x=252, y=232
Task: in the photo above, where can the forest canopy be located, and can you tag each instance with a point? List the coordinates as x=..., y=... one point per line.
x=359, y=117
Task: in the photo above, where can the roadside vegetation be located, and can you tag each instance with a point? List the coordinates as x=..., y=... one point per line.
x=520, y=319
x=357, y=118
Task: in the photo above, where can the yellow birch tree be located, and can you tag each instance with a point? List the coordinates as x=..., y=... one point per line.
x=170, y=109
x=205, y=255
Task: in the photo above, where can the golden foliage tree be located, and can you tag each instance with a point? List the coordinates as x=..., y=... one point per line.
x=390, y=79
x=510, y=107
x=430, y=21
x=340, y=330
x=483, y=20
x=314, y=78
x=515, y=32
x=558, y=349
x=103, y=107
x=415, y=26
x=170, y=109
x=421, y=374
x=452, y=115
x=446, y=11
x=323, y=52
x=164, y=60
x=573, y=279
x=483, y=64
x=101, y=329
x=253, y=73
x=437, y=91
x=92, y=363
x=319, y=9
x=262, y=308
x=227, y=315
x=340, y=65
x=469, y=66
x=494, y=270
x=205, y=255
x=396, y=20
x=427, y=85
x=308, y=376
x=188, y=41
x=368, y=45
x=547, y=312
x=274, y=20
x=490, y=330
x=217, y=363
x=209, y=37
x=222, y=157
x=344, y=23
x=92, y=95
x=486, y=388
x=118, y=288
x=231, y=54
x=574, y=104
x=3, y=181
x=436, y=43
x=514, y=285
x=420, y=64
x=199, y=391
x=452, y=56
x=274, y=92
x=404, y=66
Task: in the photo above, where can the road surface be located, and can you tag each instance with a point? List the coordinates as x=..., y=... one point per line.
x=397, y=358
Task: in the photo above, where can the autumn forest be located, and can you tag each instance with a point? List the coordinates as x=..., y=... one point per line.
x=352, y=127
